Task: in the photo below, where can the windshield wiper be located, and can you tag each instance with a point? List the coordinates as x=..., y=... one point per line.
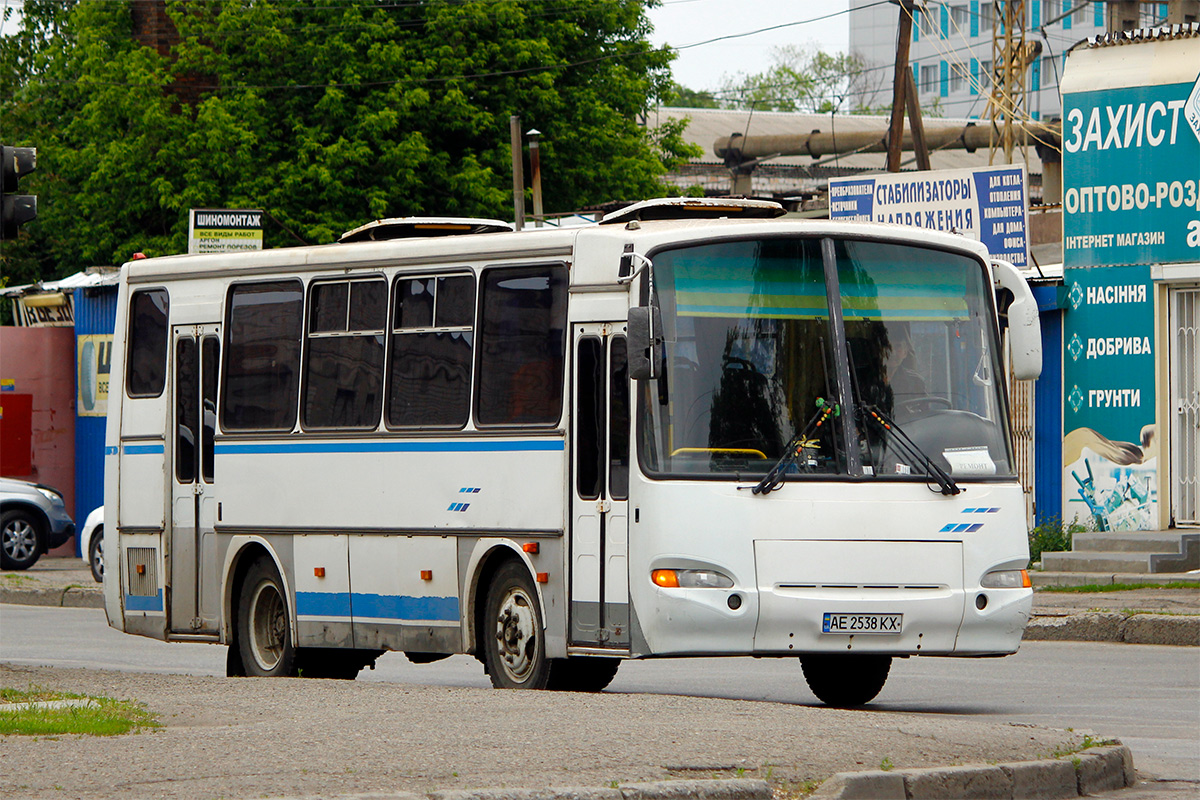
x=795, y=446
x=910, y=449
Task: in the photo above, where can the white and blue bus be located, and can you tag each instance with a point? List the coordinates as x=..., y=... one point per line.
x=697, y=428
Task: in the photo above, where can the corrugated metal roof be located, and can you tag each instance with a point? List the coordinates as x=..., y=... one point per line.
x=97, y=276
x=707, y=125
x=1189, y=30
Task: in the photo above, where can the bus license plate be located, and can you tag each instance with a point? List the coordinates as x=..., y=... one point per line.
x=861, y=623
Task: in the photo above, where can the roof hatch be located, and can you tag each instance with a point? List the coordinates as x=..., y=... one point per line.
x=422, y=227
x=695, y=208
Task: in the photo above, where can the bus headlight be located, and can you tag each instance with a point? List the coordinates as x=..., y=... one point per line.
x=1006, y=579
x=690, y=579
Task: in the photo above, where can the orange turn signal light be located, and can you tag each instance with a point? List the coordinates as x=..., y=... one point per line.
x=141, y=569
x=665, y=578
x=426, y=574
x=530, y=547
x=319, y=572
x=1025, y=582
x=543, y=577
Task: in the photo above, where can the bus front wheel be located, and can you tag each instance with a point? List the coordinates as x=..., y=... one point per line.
x=513, y=633
x=845, y=681
x=264, y=631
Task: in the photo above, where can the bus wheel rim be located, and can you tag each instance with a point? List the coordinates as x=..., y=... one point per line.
x=268, y=626
x=516, y=636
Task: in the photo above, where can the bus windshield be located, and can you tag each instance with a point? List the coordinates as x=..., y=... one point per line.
x=751, y=370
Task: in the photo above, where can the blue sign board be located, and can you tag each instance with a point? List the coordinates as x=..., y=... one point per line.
x=1132, y=190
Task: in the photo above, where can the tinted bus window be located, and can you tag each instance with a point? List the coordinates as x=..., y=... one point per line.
x=262, y=345
x=432, y=339
x=522, y=337
x=146, y=360
x=343, y=377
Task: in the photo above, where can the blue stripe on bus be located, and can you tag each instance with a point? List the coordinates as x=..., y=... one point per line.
x=143, y=449
x=137, y=602
x=384, y=606
x=376, y=606
x=555, y=445
x=322, y=604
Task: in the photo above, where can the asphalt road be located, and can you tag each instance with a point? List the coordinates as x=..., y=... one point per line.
x=1148, y=696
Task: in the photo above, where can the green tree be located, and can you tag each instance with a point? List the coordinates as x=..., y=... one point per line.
x=324, y=115
x=803, y=78
x=682, y=97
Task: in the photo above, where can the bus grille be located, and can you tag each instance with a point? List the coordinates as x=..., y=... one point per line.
x=144, y=582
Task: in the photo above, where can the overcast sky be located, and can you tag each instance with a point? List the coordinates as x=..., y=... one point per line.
x=689, y=22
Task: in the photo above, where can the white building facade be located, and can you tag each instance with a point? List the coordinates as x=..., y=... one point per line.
x=951, y=50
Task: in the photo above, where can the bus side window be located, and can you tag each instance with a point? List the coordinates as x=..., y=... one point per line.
x=522, y=340
x=146, y=373
x=432, y=345
x=263, y=325
x=343, y=368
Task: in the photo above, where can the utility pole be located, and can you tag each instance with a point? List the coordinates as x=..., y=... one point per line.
x=899, y=85
x=1010, y=59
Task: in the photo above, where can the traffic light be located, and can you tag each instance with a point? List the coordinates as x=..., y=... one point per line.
x=16, y=209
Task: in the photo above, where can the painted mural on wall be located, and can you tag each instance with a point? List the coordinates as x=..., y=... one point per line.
x=1131, y=174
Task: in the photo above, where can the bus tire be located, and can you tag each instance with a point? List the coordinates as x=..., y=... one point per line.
x=513, y=634
x=264, y=631
x=845, y=681
x=582, y=673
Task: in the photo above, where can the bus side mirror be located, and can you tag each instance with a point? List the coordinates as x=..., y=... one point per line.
x=645, y=343
x=1024, y=326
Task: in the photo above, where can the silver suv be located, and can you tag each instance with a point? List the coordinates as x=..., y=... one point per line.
x=33, y=520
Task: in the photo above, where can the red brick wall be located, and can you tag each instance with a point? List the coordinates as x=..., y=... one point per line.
x=41, y=362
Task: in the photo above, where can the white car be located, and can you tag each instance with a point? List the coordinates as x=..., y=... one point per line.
x=91, y=543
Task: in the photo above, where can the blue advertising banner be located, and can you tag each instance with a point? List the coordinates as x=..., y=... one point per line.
x=1132, y=187
x=1131, y=177
x=988, y=204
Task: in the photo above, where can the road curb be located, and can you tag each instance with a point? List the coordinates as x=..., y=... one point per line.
x=1097, y=769
x=68, y=597
x=1111, y=626
x=734, y=789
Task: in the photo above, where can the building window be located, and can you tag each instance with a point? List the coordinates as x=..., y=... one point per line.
x=958, y=80
x=929, y=78
x=263, y=326
x=343, y=368
x=960, y=19
x=985, y=76
x=522, y=339
x=146, y=357
x=433, y=334
x=987, y=17
x=1050, y=10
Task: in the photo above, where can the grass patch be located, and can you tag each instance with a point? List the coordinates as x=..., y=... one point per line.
x=94, y=716
x=16, y=579
x=1093, y=588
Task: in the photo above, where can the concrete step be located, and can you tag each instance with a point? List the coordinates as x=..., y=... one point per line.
x=1132, y=542
x=1138, y=552
x=1105, y=578
x=1097, y=561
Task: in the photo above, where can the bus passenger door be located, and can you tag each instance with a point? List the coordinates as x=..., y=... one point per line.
x=599, y=602
x=192, y=553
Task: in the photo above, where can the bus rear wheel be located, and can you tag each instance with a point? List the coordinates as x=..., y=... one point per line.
x=264, y=633
x=845, y=681
x=513, y=634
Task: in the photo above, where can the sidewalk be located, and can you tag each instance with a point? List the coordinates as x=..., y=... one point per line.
x=1135, y=616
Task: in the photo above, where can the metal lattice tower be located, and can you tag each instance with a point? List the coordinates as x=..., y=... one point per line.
x=1010, y=58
